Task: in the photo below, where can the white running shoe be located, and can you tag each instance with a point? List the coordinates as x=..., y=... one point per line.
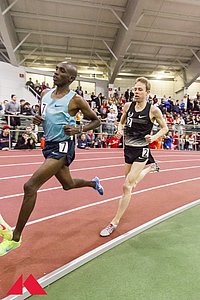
x=108, y=230
x=155, y=168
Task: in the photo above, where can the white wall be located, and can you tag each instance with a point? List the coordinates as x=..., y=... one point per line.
x=12, y=81
x=193, y=89
x=158, y=87
x=88, y=84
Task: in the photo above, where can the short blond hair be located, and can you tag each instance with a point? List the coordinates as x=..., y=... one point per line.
x=145, y=81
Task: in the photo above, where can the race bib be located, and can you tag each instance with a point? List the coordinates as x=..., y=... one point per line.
x=63, y=147
x=43, y=109
x=145, y=152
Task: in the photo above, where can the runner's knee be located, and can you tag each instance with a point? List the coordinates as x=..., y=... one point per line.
x=129, y=185
x=29, y=188
x=70, y=185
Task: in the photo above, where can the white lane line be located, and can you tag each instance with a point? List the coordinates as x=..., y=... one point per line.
x=100, y=167
x=99, y=202
x=95, y=159
x=83, y=159
x=77, y=153
x=160, y=154
x=73, y=170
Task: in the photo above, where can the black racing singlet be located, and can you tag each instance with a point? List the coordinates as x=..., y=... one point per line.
x=138, y=124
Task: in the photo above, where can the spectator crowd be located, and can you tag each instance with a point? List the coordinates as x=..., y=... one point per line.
x=182, y=117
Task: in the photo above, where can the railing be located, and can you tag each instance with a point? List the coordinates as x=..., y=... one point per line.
x=105, y=127
x=29, y=88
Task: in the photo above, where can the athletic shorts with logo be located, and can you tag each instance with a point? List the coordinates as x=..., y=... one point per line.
x=56, y=150
x=138, y=154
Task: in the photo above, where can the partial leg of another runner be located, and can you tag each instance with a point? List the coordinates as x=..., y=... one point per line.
x=133, y=175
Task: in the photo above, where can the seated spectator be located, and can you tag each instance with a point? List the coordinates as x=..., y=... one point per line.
x=82, y=141
x=98, y=141
x=182, y=142
x=26, y=109
x=91, y=138
x=105, y=140
x=24, y=142
x=35, y=109
x=168, y=140
x=175, y=141
x=191, y=141
x=27, y=140
x=186, y=145
x=4, y=138
x=114, y=141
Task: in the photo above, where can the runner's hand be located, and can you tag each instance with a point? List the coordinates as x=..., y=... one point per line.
x=37, y=120
x=149, y=138
x=71, y=130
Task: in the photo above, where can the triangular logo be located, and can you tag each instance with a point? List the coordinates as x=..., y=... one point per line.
x=33, y=286
x=16, y=289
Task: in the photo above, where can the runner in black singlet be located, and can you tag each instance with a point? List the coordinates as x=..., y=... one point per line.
x=137, y=122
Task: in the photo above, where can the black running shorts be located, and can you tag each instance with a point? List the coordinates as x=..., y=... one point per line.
x=56, y=150
x=138, y=154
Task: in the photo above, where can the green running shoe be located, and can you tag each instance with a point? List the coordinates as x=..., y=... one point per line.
x=5, y=230
x=6, y=246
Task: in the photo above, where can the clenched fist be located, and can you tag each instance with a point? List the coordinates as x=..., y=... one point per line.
x=149, y=138
x=37, y=120
x=71, y=130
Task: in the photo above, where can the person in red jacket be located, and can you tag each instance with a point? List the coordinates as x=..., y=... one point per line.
x=114, y=141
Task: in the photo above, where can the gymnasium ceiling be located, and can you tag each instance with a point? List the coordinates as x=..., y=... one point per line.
x=108, y=38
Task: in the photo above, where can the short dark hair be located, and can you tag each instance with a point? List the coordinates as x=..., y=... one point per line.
x=13, y=95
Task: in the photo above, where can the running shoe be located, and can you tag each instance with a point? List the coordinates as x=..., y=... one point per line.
x=5, y=229
x=7, y=246
x=98, y=186
x=108, y=230
x=155, y=168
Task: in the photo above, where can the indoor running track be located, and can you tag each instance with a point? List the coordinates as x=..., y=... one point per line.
x=66, y=224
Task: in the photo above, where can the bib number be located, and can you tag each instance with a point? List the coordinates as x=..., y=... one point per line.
x=145, y=152
x=63, y=147
x=129, y=122
x=43, y=110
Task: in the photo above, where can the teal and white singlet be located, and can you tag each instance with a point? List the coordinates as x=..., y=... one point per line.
x=55, y=115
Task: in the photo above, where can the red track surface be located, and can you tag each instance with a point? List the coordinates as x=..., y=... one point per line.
x=49, y=244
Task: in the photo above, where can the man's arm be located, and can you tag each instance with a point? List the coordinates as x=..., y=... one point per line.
x=157, y=115
x=37, y=119
x=123, y=119
x=81, y=104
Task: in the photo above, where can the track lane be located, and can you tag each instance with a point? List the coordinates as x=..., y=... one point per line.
x=50, y=244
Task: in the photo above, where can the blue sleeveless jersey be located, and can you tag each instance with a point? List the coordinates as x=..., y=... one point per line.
x=55, y=115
